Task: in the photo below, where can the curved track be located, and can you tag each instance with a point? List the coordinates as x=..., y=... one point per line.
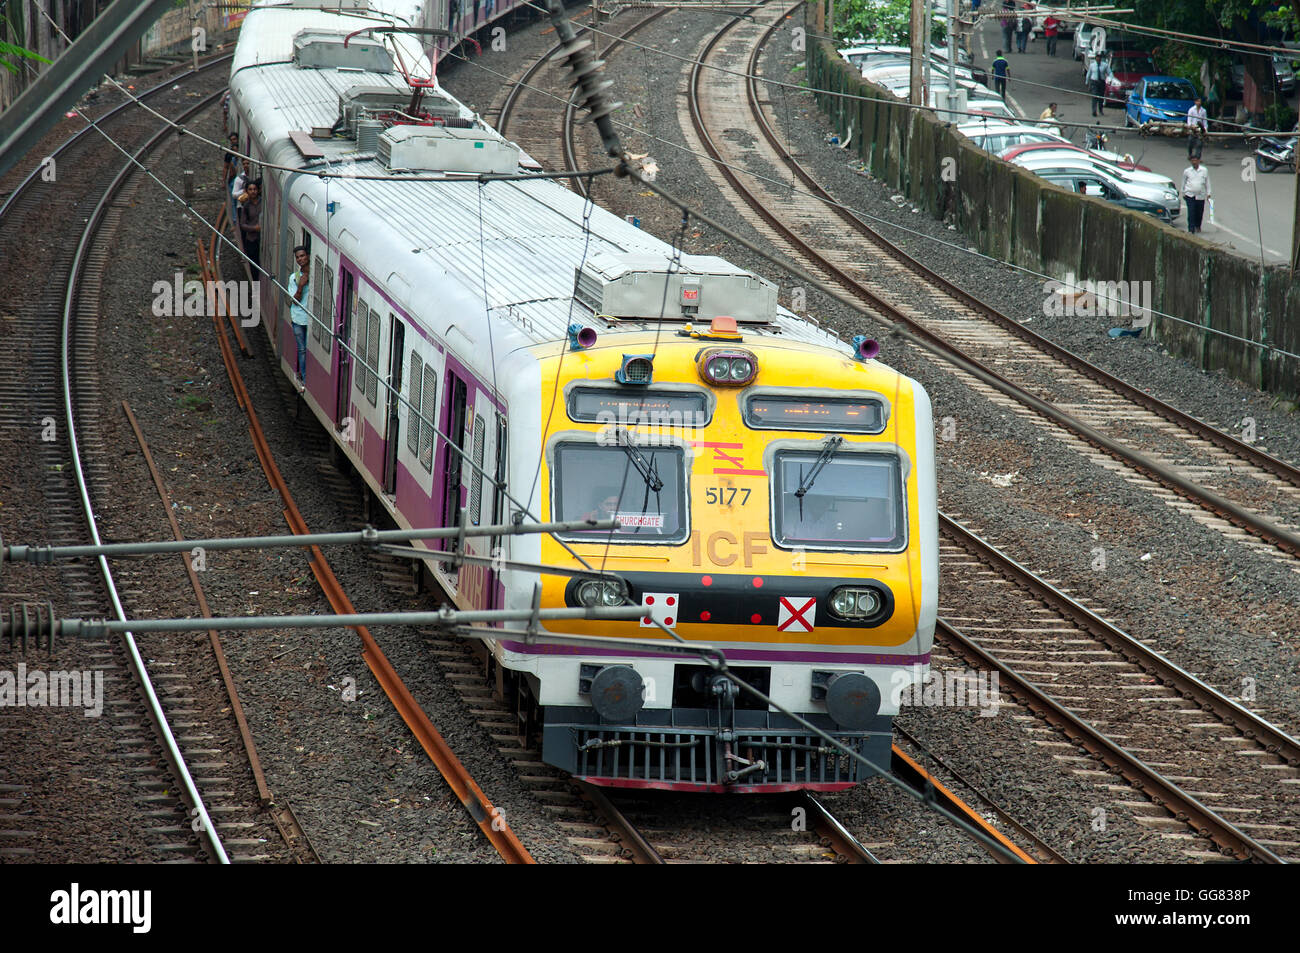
x=1087, y=409
x=61, y=360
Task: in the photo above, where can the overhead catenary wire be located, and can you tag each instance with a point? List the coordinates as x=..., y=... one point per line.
x=878, y=220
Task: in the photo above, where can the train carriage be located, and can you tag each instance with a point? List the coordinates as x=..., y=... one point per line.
x=493, y=351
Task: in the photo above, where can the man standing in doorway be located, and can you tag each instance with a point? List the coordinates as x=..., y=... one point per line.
x=1000, y=70
x=300, y=287
x=1196, y=192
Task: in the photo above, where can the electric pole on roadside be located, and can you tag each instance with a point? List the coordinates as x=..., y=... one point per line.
x=916, y=80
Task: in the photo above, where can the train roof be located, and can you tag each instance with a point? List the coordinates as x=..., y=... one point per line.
x=500, y=251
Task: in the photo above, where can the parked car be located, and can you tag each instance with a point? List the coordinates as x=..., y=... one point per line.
x=1159, y=99
x=1128, y=66
x=1283, y=75
x=998, y=137
x=1121, y=168
x=1082, y=40
x=1159, y=193
x=1091, y=183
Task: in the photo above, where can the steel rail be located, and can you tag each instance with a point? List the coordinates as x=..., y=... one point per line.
x=905, y=767
x=1044, y=851
x=286, y=822
x=171, y=749
x=834, y=834
x=1278, y=467
x=488, y=818
x=1270, y=736
x=1284, y=539
x=90, y=125
x=634, y=846
x=1159, y=789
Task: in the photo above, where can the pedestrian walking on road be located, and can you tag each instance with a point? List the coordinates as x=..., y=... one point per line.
x=1197, y=126
x=1051, y=27
x=1098, y=72
x=1196, y=192
x=1001, y=68
x=1008, y=23
x=1023, y=28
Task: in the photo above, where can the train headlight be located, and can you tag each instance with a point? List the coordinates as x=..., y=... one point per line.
x=857, y=603
x=728, y=367
x=596, y=593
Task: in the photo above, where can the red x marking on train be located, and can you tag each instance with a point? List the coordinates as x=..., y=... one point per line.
x=797, y=618
x=737, y=463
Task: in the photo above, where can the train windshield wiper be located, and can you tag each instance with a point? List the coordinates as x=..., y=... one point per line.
x=643, y=466
x=806, y=482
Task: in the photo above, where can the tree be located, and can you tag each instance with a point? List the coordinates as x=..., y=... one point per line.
x=883, y=21
x=12, y=54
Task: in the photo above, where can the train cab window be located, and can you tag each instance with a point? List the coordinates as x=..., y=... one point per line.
x=849, y=500
x=643, y=487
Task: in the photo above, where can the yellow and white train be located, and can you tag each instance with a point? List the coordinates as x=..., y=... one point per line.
x=487, y=351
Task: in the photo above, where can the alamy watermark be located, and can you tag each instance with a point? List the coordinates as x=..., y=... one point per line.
x=36, y=688
x=968, y=689
x=654, y=428
x=199, y=299
x=1111, y=299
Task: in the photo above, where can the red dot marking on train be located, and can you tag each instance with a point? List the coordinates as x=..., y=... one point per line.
x=646, y=620
x=758, y=582
x=671, y=601
x=706, y=580
x=706, y=615
x=756, y=618
x=668, y=620
x=649, y=600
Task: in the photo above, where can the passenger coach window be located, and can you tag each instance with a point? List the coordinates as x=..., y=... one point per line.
x=642, y=487
x=853, y=501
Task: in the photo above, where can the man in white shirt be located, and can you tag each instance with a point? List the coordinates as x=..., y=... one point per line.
x=1196, y=192
x=1197, y=126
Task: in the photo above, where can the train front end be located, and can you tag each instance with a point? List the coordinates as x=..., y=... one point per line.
x=776, y=495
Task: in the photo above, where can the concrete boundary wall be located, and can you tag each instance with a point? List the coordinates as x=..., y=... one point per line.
x=1001, y=209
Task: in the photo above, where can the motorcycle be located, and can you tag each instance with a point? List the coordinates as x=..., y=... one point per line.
x=1273, y=151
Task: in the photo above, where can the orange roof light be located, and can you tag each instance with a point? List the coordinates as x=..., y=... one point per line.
x=724, y=326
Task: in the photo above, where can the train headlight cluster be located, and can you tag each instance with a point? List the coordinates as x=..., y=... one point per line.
x=730, y=368
x=856, y=602
x=597, y=593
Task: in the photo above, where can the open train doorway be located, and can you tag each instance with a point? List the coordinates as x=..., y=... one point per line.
x=396, y=350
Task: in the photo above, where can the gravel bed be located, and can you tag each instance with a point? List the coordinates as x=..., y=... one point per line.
x=73, y=793
x=1056, y=510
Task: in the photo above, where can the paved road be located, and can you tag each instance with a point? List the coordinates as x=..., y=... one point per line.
x=1037, y=79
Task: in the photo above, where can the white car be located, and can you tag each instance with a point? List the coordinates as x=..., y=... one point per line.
x=1064, y=155
x=1164, y=195
x=997, y=137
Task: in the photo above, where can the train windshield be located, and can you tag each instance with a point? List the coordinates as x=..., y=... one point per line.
x=643, y=489
x=852, y=500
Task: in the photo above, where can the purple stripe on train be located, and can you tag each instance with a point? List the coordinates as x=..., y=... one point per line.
x=841, y=658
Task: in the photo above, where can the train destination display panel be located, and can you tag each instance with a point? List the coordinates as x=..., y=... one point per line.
x=680, y=408
x=831, y=414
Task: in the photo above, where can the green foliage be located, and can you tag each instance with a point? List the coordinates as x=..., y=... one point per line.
x=881, y=21
x=1178, y=59
x=11, y=53
x=1279, y=116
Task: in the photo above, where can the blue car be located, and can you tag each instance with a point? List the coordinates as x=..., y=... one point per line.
x=1159, y=99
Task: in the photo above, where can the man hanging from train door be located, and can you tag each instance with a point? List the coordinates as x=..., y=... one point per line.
x=300, y=286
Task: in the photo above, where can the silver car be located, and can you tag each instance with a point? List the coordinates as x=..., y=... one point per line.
x=1166, y=196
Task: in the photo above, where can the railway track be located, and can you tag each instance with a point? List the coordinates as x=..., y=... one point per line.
x=1223, y=483
x=531, y=98
x=73, y=223
x=1208, y=762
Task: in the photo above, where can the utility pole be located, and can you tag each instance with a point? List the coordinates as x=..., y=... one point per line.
x=918, y=47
